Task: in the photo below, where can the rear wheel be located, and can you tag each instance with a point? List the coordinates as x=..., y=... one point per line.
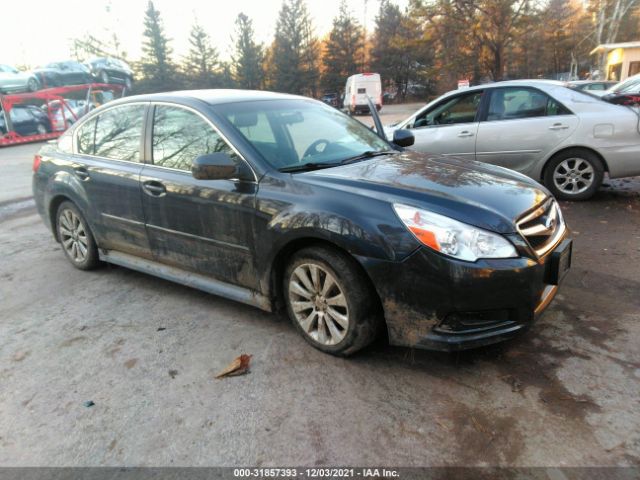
x=32, y=85
x=574, y=174
x=76, y=238
x=330, y=302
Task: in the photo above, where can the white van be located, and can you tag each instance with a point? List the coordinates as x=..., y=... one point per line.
x=358, y=88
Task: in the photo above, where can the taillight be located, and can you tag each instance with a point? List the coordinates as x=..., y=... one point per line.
x=36, y=162
x=629, y=100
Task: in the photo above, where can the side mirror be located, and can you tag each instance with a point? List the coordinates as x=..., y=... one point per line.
x=217, y=166
x=403, y=138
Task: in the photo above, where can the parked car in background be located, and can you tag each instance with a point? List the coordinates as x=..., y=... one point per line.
x=358, y=88
x=563, y=137
x=626, y=92
x=26, y=120
x=57, y=74
x=595, y=87
x=331, y=99
x=13, y=80
x=111, y=70
x=283, y=202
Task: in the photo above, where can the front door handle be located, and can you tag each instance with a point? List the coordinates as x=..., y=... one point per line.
x=465, y=133
x=558, y=126
x=82, y=173
x=154, y=188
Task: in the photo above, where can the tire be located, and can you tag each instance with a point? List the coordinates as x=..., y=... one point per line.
x=32, y=85
x=343, y=319
x=76, y=238
x=574, y=174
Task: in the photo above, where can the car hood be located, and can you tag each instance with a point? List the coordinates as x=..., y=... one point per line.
x=475, y=193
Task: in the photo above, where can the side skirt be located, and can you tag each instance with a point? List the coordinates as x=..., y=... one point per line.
x=190, y=279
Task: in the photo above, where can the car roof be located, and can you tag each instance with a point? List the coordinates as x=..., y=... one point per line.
x=215, y=97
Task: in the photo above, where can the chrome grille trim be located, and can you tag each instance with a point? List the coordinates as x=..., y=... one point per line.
x=543, y=227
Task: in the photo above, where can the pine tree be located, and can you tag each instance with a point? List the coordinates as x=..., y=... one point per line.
x=157, y=69
x=399, y=54
x=342, y=50
x=202, y=63
x=295, y=50
x=248, y=57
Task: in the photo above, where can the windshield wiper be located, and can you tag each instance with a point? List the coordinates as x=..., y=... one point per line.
x=365, y=155
x=308, y=166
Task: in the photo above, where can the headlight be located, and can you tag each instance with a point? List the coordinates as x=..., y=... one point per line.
x=453, y=238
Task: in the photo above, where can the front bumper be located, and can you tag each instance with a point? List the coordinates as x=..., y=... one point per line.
x=435, y=302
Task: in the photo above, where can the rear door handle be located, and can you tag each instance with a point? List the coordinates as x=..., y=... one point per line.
x=558, y=126
x=465, y=133
x=82, y=173
x=154, y=188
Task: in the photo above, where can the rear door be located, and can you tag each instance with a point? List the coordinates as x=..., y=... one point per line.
x=200, y=225
x=523, y=125
x=449, y=127
x=108, y=163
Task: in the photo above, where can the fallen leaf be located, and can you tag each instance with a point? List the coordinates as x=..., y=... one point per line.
x=239, y=366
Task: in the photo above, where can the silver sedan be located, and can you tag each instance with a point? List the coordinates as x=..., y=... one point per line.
x=13, y=80
x=557, y=135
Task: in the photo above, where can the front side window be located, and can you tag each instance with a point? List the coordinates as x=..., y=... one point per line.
x=118, y=133
x=516, y=103
x=461, y=109
x=294, y=133
x=180, y=136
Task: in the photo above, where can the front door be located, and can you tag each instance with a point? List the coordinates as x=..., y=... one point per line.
x=108, y=165
x=523, y=126
x=448, y=127
x=205, y=226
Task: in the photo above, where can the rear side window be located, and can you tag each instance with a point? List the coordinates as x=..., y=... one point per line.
x=180, y=136
x=115, y=134
x=516, y=103
x=119, y=132
x=86, y=137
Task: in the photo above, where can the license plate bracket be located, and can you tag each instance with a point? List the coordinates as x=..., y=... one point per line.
x=559, y=263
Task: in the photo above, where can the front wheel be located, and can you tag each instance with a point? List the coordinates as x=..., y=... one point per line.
x=330, y=301
x=574, y=174
x=76, y=238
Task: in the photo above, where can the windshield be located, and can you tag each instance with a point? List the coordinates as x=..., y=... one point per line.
x=292, y=133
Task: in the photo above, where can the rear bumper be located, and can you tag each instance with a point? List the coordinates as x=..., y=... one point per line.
x=434, y=302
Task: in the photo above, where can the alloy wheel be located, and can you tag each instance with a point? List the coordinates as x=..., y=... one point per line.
x=573, y=176
x=319, y=304
x=73, y=236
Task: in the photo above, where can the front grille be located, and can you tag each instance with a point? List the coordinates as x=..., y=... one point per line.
x=543, y=227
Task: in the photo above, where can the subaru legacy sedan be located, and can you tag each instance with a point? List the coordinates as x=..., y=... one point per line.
x=287, y=204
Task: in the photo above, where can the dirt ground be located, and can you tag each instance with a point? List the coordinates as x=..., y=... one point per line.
x=145, y=351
